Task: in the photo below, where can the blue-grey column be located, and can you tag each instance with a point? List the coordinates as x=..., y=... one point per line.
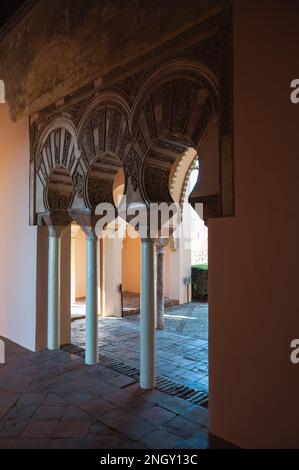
x=54, y=288
x=92, y=259
x=148, y=307
x=160, y=288
x=161, y=244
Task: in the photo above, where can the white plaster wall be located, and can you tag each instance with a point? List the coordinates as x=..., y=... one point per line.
x=112, y=277
x=179, y=267
x=18, y=241
x=178, y=263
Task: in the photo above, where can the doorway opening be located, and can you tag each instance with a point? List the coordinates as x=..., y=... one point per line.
x=182, y=345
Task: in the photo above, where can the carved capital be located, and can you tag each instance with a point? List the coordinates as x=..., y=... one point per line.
x=148, y=241
x=55, y=231
x=87, y=221
x=55, y=219
x=161, y=244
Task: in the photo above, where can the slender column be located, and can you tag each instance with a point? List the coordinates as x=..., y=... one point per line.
x=148, y=301
x=161, y=244
x=65, y=287
x=75, y=229
x=101, y=281
x=91, y=352
x=54, y=288
x=160, y=289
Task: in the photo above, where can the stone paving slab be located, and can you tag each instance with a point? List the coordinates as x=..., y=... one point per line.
x=182, y=348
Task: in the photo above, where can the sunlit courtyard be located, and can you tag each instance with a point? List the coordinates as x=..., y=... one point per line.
x=182, y=347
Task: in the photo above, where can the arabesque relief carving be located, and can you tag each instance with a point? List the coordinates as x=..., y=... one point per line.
x=143, y=117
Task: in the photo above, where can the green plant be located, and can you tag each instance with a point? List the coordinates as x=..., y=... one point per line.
x=200, y=283
x=201, y=266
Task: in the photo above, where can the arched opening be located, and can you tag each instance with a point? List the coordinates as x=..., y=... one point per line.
x=174, y=124
x=105, y=181
x=105, y=184
x=131, y=272
x=140, y=126
x=178, y=117
x=171, y=170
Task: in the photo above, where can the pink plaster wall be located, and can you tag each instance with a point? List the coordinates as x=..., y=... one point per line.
x=131, y=264
x=254, y=258
x=18, y=241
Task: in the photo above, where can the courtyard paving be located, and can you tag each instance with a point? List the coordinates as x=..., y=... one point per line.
x=52, y=400
x=182, y=348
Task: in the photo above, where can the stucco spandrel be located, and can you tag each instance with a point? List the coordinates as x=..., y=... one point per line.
x=61, y=45
x=63, y=56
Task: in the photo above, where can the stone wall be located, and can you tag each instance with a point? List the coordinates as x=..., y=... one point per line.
x=56, y=47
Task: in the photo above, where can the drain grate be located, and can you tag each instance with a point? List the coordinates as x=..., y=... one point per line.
x=164, y=384
x=79, y=317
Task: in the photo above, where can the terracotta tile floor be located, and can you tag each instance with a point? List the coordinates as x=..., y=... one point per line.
x=52, y=400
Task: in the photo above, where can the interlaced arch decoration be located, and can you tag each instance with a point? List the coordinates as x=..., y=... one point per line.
x=104, y=127
x=172, y=113
x=100, y=179
x=174, y=99
x=147, y=117
x=56, y=148
x=103, y=135
x=60, y=190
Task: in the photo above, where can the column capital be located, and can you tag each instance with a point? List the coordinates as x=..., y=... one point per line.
x=90, y=232
x=55, y=219
x=148, y=241
x=55, y=231
x=87, y=221
x=161, y=244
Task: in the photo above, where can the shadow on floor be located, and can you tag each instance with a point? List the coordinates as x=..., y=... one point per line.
x=182, y=348
x=53, y=400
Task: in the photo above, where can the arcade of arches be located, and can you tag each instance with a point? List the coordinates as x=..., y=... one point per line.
x=143, y=150
x=136, y=139
x=96, y=118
